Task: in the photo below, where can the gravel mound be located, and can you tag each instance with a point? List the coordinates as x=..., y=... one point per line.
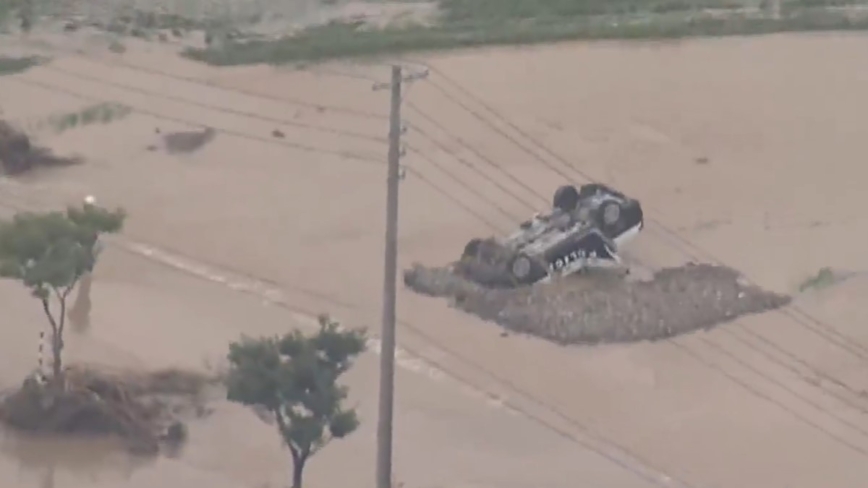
x=599, y=307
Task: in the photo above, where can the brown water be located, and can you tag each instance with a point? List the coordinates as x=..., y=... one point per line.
x=764, y=403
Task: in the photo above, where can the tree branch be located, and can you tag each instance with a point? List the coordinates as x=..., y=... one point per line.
x=281, y=423
x=283, y=427
x=298, y=455
x=61, y=297
x=68, y=289
x=47, y=309
x=327, y=438
x=62, y=321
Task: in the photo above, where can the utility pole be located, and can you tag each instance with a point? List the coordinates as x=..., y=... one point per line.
x=387, y=337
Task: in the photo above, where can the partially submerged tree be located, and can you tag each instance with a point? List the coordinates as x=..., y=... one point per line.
x=295, y=378
x=49, y=253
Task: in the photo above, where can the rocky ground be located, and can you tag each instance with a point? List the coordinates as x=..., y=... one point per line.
x=603, y=306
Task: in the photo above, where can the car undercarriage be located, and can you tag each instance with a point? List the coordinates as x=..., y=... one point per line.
x=585, y=229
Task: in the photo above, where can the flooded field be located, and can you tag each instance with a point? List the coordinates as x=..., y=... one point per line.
x=745, y=151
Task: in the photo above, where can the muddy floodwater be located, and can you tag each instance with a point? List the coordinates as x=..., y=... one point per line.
x=734, y=147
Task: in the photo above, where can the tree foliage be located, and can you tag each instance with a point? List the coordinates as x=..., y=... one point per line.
x=296, y=377
x=50, y=252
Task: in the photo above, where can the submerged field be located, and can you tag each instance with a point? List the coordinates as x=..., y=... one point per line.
x=733, y=145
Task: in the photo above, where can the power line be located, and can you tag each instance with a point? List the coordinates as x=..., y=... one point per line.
x=578, y=171
x=251, y=93
x=572, y=421
x=502, y=133
x=682, y=249
x=587, y=177
x=784, y=387
x=796, y=359
x=762, y=395
x=306, y=126
x=186, y=101
x=368, y=159
x=799, y=316
x=479, y=155
x=531, y=207
x=462, y=184
x=454, y=200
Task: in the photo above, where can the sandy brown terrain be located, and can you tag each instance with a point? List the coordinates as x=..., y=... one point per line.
x=744, y=151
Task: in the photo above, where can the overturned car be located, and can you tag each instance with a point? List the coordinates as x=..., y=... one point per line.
x=585, y=229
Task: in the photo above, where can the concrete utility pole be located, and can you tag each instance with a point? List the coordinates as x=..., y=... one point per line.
x=387, y=339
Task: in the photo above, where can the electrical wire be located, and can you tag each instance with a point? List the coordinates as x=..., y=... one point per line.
x=800, y=317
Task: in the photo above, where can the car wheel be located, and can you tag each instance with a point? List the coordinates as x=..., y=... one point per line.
x=471, y=250
x=521, y=268
x=566, y=198
x=589, y=190
x=610, y=213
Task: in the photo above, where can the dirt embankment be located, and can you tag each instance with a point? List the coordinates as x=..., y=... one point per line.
x=603, y=306
x=146, y=410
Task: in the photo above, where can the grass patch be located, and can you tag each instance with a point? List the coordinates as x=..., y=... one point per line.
x=11, y=66
x=100, y=113
x=512, y=26
x=5, y=13
x=500, y=10
x=825, y=277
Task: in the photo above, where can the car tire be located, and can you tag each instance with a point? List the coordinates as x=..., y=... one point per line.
x=471, y=250
x=589, y=190
x=610, y=213
x=524, y=270
x=521, y=268
x=566, y=198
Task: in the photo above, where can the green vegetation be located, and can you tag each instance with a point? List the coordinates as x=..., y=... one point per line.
x=824, y=277
x=11, y=66
x=5, y=13
x=48, y=253
x=505, y=10
x=466, y=23
x=100, y=113
x=295, y=378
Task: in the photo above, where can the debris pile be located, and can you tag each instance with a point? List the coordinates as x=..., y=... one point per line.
x=599, y=306
x=18, y=155
x=145, y=410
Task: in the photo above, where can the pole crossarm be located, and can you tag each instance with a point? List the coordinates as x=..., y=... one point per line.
x=421, y=75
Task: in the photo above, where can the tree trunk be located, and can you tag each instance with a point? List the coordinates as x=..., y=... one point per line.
x=56, y=350
x=56, y=339
x=57, y=342
x=297, y=470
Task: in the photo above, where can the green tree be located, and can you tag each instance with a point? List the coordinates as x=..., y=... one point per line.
x=49, y=252
x=295, y=378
